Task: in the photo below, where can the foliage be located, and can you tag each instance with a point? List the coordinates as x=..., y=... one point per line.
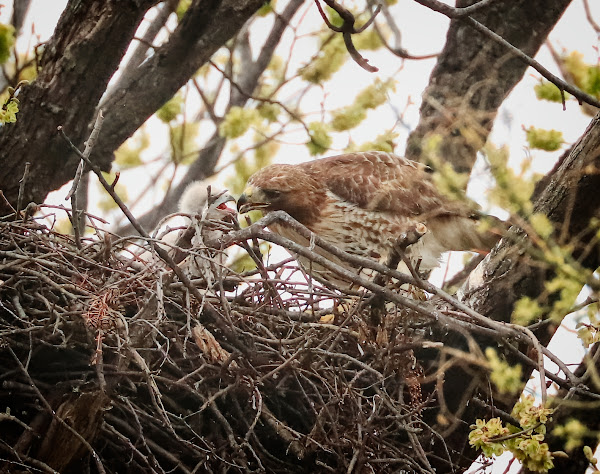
x=512, y=191
x=547, y=140
x=525, y=442
x=330, y=58
x=128, y=155
x=106, y=202
x=506, y=377
x=589, y=333
x=237, y=121
x=171, y=109
x=267, y=8
x=585, y=76
x=274, y=109
x=8, y=112
x=7, y=41
x=382, y=142
x=573, y=431
x=546, y=90
x=527, y=310
x=182, y=8
x=320, y=140
x=370, y=98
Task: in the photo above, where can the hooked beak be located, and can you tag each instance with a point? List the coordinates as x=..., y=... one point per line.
x=245, y=202
x=221, y=204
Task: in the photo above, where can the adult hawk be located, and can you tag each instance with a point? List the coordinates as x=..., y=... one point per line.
x=362, y=203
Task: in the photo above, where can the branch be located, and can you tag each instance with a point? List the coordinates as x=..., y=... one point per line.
x=347, y=29
x=244, y=87
x=463, y=14
x=162, y=253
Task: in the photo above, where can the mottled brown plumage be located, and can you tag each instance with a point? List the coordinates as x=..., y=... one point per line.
x=363, y=202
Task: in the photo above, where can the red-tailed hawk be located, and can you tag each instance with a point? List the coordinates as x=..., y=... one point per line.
x=362, y=203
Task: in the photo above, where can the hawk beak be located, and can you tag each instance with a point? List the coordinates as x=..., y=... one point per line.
x=244, y=203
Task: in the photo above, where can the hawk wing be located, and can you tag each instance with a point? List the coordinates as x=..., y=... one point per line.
x=383, y=182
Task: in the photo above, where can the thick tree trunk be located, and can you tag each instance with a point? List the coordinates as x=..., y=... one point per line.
x=581, y=409
x=570, y=200
x=77, y=63
x=85, y=51
x=474, y=75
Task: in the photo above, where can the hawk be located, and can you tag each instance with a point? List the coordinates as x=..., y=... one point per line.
x=210, y=218
x=362, y=203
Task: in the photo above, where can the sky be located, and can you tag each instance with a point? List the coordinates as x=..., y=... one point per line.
x=423, y=32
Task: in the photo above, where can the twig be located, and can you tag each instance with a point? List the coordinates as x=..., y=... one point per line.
x=590, y=18
x=22, y=184
x=453, y=12
x=163, y=254
x=463, y=13
x=347, y=29
x=72, y=194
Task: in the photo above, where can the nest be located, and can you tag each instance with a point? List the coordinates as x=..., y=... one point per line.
x=110, y=365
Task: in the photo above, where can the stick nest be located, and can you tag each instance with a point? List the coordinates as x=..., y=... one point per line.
x=111, y=365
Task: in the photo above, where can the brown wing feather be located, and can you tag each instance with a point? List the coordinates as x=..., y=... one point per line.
x=383, y=182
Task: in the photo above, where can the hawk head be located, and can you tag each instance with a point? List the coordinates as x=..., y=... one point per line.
x=286, y=188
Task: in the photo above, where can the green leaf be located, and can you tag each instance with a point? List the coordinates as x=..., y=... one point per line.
x=8, y=112
x=347, y=118
x=548, y=140
x=128, y=155
x=267, y=8
x=541, y=224
x=320, y=141
x=237, y=122
x=327, y=62
x=182, y=8
x=269, y=111
x=526, y=311
x=170, y=109
x=7, y=41
x=507, y=378
x=545, y=90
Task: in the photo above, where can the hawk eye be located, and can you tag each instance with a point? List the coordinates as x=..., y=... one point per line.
x=271, y=193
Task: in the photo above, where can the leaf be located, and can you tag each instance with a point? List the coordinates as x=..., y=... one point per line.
x=7, y=41
x=170, y=109
x=547, y=140
x=183, y=142
x=320, y=141
x=237, y=122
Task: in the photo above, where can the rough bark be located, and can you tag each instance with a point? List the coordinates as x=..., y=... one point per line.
x=206, y=27
x=474, y=75
x=569, y=200
x=87, y=47
x=78, y=61
x=84, y=413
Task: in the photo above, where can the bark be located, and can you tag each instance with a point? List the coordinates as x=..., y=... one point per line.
x=78, y=61
x=204, y=165
x=86, y=49
x=474, y=75
x=206, y=27
x=83, y=413
x=570, y=200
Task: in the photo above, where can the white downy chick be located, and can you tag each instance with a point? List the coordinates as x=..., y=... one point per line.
x=210, y=219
